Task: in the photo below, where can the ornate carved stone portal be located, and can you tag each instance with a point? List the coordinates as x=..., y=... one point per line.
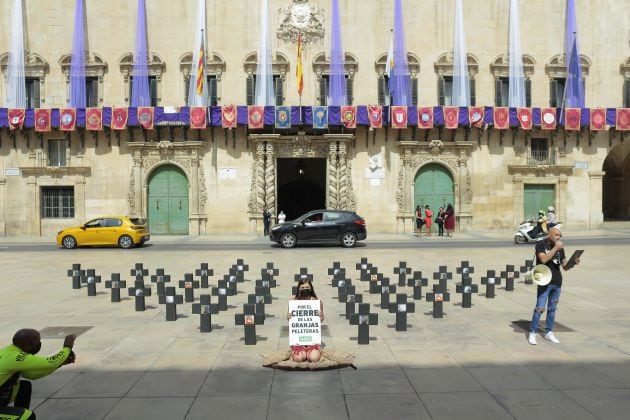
x=185, y=155
x=333, y=147
x=454, y=156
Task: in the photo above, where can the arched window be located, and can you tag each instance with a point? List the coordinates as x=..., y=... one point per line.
x=95, y=68
x=383, y=79
x=156, y=65
x=556, y=70
x=215, y=67
x=321, y=67
x=279, y=68
x=500, y=68
x=444, y=71
x=35, y=70
x=625, y=72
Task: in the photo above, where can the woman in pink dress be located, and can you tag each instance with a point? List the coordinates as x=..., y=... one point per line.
x=428, y=219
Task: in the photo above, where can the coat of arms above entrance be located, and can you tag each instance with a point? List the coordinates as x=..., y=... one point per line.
x=301, y=18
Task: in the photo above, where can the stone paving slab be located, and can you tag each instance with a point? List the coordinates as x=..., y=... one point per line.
x=136, y=365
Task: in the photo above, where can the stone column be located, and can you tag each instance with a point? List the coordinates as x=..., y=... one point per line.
x=332, y=184
x=519, y=199
x=562, y=198
x=79, y=198
x=596, y=214
x=32, y=210
x=3, y=200
x=137, y=186
x=270, y=177
x=463, y=212
x=344, y=178
x=405, y=216
x=194, y=184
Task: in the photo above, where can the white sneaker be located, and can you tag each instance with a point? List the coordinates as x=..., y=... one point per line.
x=531, y=338
x=549, y=336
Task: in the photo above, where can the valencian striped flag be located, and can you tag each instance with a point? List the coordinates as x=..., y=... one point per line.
x=298, y=68
x=201, y=68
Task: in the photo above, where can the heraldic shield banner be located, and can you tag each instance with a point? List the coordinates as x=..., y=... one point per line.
x=320, y=117
x=198, y=117
x=375, y=115
x=228, y=116
x=399, y=117
x=283, y=117
x=119, y=118
x=42, y=119
x=94, y=119
x=67, y=119
x=425, y=117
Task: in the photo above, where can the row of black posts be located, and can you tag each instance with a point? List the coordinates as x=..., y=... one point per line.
x=378, y=284
x=253, y=311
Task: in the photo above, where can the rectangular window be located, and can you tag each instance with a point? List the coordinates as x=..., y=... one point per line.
x=57, y=202
x=250, y=89
x=57, y=152
x=556, y=91
x=32, y=92
x=501, y=91
x=91, y=91
x=324, y=90
x=382, y=91
x=626, y=93
x=213, y=90
x=153, y=89
x=445, y=90
x=539, y=151
x=414, y=91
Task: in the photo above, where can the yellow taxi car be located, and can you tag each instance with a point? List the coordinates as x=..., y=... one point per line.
x=122, y=231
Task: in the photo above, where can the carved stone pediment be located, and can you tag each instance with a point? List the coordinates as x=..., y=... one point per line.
x=301, y=18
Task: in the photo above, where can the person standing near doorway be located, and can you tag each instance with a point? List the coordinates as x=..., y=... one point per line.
x=449, y=220
x=439, y=219
x=266, y=220
x=419, y=220
x=282, y=217
x=428, y=218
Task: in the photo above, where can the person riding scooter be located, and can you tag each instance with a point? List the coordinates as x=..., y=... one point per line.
x=551, y=216
x=541, y=224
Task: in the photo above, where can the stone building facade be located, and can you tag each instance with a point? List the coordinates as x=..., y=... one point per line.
x=220, y=180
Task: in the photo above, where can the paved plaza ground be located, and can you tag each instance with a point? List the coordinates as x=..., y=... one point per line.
x=472, y=364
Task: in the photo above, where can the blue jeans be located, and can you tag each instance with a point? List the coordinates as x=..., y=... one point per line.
x=547, y=295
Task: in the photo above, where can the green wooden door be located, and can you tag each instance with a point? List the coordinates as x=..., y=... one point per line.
x=433, y=186
x=538, y=197
x=168, y=202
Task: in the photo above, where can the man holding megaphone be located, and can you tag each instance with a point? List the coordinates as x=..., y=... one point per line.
x=547, y=275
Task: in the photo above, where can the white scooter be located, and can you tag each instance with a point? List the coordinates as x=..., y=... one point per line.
x=526, y=232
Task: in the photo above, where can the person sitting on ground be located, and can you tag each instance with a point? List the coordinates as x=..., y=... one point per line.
x=305, y=291
x=18, y=359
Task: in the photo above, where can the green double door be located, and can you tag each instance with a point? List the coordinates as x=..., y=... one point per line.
x=433, y=186
x=168, y=201
x=538, y=197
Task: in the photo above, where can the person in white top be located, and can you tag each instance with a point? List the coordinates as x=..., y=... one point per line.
x=282, y=217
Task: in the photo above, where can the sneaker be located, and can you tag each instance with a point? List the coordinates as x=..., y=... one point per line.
x=531, y=338
x=549, y=336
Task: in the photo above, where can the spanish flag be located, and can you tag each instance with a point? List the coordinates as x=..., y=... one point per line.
x=298, y=69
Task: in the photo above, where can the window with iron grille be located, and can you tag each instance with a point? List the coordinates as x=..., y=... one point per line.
x=57, y=202
x=57, y=152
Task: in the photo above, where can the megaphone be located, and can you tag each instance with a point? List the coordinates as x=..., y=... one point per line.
x=540, y=274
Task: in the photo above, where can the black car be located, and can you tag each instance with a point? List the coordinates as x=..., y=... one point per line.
x=319, y=226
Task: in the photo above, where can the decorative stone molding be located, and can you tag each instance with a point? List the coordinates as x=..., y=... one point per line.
x=95, y=66
x=56, y=171
x=557, y=66
x=147, y=156
x=444, y=65
x=321, y=64
x=333, y=147
x=215, y=66
x=455, y=157
x=156, y=65
x=280, y=64
x=500, y=66
x=35, y=66
x=301, y=18
x=414, y=64
x=624, y=69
